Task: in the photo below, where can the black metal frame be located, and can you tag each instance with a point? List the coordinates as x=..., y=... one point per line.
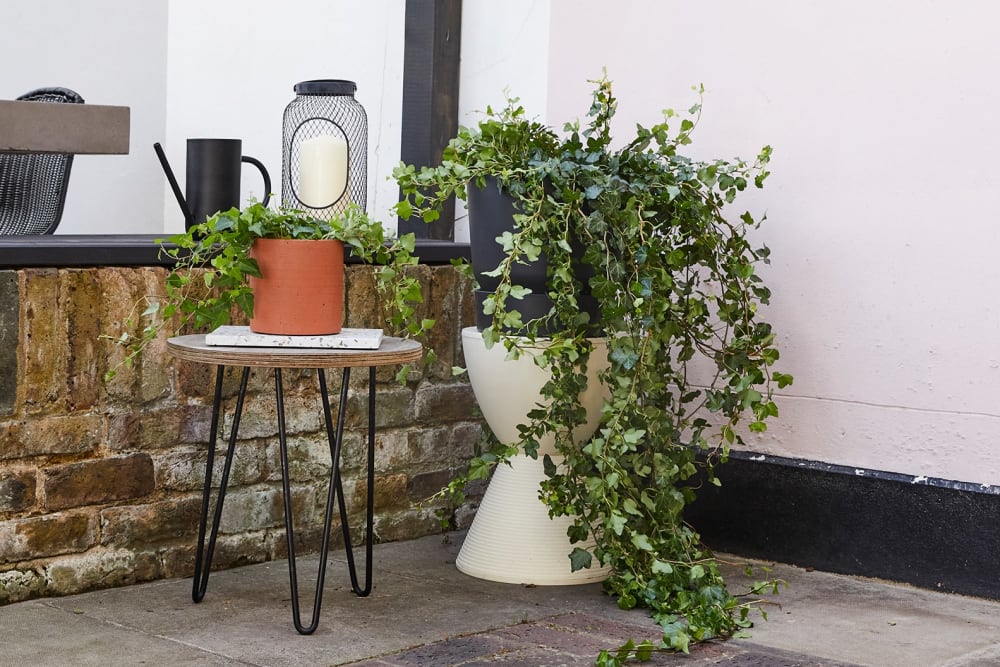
x=335, y=436
x=85, y=250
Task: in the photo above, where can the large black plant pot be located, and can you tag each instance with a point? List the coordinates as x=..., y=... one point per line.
x=491, y=213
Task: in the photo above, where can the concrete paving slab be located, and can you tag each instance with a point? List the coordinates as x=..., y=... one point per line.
x=424, y=612
x=870, y=622
x=37, y=633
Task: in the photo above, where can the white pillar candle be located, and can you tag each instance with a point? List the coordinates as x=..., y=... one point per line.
x=323, y=173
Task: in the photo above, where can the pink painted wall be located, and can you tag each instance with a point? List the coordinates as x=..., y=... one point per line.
x=881, y=208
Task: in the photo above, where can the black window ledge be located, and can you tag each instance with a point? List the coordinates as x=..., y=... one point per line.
x=91, y=250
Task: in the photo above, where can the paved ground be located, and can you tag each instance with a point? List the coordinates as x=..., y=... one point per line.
x=424, y=612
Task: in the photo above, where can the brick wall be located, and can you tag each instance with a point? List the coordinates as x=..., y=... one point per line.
x=100, y=482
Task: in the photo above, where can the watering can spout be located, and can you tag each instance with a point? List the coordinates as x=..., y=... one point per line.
x=188, y=217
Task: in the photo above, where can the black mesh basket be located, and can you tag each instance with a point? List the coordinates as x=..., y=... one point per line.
x=324, y=164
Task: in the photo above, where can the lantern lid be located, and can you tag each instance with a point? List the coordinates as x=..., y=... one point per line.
x=325, y=87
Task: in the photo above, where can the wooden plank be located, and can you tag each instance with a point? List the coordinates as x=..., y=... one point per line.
x=48, y=127
x=431, y=59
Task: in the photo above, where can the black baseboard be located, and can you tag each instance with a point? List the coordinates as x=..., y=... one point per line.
x=927, y=532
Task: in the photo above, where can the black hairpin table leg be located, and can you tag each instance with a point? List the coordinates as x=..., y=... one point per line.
x=204, y=554
x=335, y=482
x=335, y=437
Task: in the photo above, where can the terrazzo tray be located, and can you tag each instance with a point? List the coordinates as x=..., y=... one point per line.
x=347, y=339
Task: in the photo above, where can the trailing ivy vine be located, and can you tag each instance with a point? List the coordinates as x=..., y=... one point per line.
x=676, y=279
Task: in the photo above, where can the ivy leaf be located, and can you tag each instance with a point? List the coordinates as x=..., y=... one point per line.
x=640, y=541
x=549, y=466
x=624, y=358
x=660, y=567
x=644, y=651
x=519, y=292
x=634, y=436
x=782, y=379
x=404, y=210
x=579, y=559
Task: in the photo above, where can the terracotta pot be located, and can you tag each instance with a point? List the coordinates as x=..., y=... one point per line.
x=301, y=291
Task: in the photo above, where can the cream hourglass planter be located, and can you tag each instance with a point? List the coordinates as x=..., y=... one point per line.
x=512, y=538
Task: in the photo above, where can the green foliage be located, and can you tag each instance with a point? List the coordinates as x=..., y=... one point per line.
x=677, y=281
x=212, y=265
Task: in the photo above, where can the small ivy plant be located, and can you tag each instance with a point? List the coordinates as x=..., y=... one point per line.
x=676, y=279
x=208, y=282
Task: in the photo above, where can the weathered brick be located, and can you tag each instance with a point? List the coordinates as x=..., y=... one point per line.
x=60, y=419
x=451, y=295
x=177, y=560
x=119, y=305
x=390, y=492
x=442, y=445
x=361, y=306
x=17, y=490
x=9, y=333
x=392, y=450
x=408, y=525
x=422, y=486
x=309, y=456
x=43, y=343
x=260, y=415
x=141, y=525
x=71, y=434
x=464, y=437
x=171, y=426
x=40, y=537
x=80, y=300
x=123, y=431
x=197, y=381
x=242, y=549
x=155, y=368
x=98, y=481
x=98, y=568
x=146, y=566
x=247, y=510
x=439, y=403
x=18, y=585
x=184, y=470
x=393, y=407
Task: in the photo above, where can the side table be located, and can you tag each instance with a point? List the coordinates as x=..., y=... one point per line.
x=194, y=348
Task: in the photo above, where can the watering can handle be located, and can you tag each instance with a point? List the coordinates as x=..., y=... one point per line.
x=263, y=172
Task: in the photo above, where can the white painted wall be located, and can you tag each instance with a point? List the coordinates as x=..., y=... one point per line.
x=111, y=52
x=505, y=48
x=231, y=66
x=881, y=207
x=224, y=68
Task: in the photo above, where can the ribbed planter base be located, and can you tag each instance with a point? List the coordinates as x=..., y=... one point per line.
x=513, y=540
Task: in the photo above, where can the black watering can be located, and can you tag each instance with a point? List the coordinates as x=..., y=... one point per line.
x=213, y=177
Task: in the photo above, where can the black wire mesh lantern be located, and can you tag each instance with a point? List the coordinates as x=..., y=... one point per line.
x=324, y=163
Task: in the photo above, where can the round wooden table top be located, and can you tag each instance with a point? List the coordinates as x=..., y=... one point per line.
x=391, y=351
